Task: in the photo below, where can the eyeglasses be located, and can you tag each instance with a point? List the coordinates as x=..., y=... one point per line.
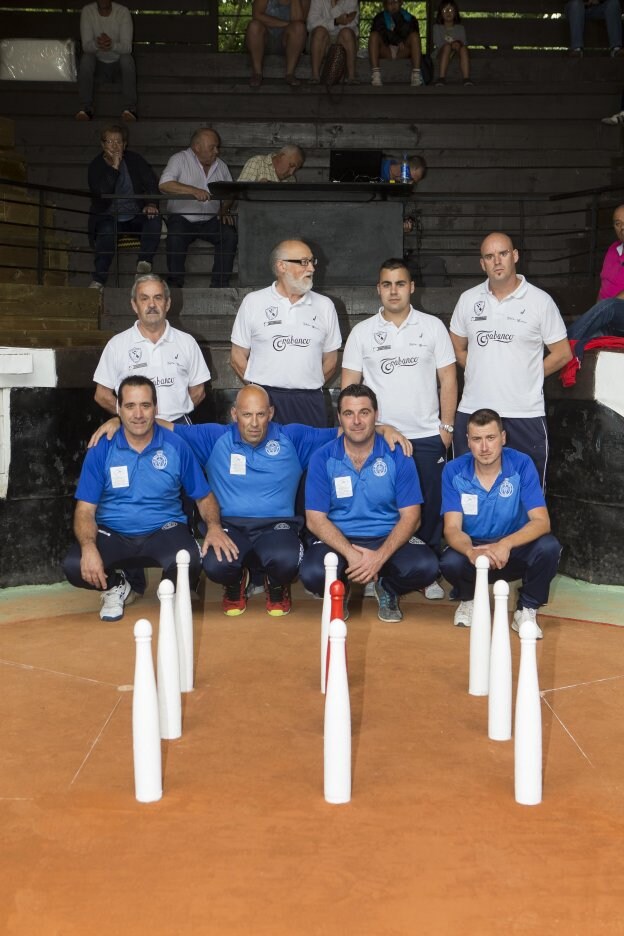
x=305, y=261
x=113, y=142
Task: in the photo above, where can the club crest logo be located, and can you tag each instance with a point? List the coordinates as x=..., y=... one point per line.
x=506, y=489
x=379, y=468
x=159, y=460
x=170, y=525
x=479, y=307
x=272, y=447
x=415, y=541
x=281, y=526
x=380, y=336
x=135, y=355
x=271, y=313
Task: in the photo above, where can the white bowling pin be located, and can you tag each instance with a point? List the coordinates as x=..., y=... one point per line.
x=331, y=574
x=480, y=632
x=337, y=734
x=184, y=621
x=499, y=699
x=528, y=729
x=145, y=723
x=168, y=666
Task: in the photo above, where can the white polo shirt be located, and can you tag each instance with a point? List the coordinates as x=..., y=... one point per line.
x=174, y=363
x=286, y=342
x=185, y=167
x=506, y=338
x=400, y=364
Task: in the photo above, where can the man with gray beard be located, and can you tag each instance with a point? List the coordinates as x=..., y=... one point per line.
x=286, y=338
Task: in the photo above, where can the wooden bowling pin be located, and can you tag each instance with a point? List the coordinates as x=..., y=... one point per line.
x=528, y=727
x=331, y=573
x=168, y=666
x=337, y=734
x=145, y=722
x=480, y=632
x=184, y=621
x=499, y=699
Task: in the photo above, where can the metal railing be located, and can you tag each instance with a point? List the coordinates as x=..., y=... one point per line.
x=44, y=234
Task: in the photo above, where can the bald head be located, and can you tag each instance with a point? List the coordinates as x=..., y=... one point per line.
x=252, y=412
x=498, y=261
x=618, y=222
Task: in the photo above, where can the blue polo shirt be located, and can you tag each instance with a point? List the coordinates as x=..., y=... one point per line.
x=490, y=515
x=363, y=503
x=254, y=480
x=138, y=492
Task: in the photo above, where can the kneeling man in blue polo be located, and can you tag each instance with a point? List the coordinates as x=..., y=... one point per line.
x=493, y=506
x=363, y=503
x=129, y=505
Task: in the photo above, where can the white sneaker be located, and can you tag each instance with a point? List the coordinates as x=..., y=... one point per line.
x=463, y=615
x=94, y=284
x=615, y=120
x=143, y=267
x=369, y=590
x=376, y=78
x=433, y=592
x=416, y=80
x=115, y=599
x=525, y=614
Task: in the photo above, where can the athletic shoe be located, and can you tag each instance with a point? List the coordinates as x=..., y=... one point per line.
x=115, y=599
x=389, y=610
x=433, y=592
x=615, y=120
x=235, y=596
x=575, y=53
x=369, y=590
x=463, y=615
x=468, y=83
x=129, y=115
x=95, y=284
x=376, y=78
x=525, y=614
x=84, y=114
x=615, y=51
x=440, y=82
x=277, y=599
x=143, y=267
x=417, y=79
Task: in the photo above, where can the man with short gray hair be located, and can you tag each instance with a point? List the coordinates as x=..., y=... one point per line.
x=191, y=173
x=280, y=167
x=170, y=358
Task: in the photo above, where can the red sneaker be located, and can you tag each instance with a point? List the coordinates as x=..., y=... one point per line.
x=235, y=596
x=277, y=599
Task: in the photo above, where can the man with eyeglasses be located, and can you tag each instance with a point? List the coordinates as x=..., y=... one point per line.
x=118, y=171
x=286, y=338
x=499, y=330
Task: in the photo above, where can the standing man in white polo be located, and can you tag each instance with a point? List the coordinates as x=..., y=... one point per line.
x=499, y=330
x=286, y=338
x=171, y=358
x=403, y=355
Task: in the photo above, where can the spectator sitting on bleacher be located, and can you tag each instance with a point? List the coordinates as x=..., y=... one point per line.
x=190, y=173
x=394, y=35
x=280, y=167
x=329, y=22
x=279, y=28
x=449, y=36
x=607, y=316
x=106, y=39
x=579, y=11
x=118, y=171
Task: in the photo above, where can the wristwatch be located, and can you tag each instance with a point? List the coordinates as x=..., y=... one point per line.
x=447, y=428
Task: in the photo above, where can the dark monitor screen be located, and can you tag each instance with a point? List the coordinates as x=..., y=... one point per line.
x=355, y=165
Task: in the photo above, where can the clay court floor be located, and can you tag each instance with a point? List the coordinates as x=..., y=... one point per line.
x=243, y=842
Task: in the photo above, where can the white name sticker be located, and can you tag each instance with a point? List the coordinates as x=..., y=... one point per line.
x=119, y=476
x=470, y=504
x=238, y=464
x=343, y=487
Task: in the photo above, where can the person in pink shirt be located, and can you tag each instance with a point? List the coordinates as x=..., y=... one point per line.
x=607, y=316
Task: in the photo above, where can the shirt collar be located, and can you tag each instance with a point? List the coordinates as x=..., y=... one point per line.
x=139, y=336
x=411, y=318
x=156, y=441
x=306, y=299
x=620, y=248
x=518, y=292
